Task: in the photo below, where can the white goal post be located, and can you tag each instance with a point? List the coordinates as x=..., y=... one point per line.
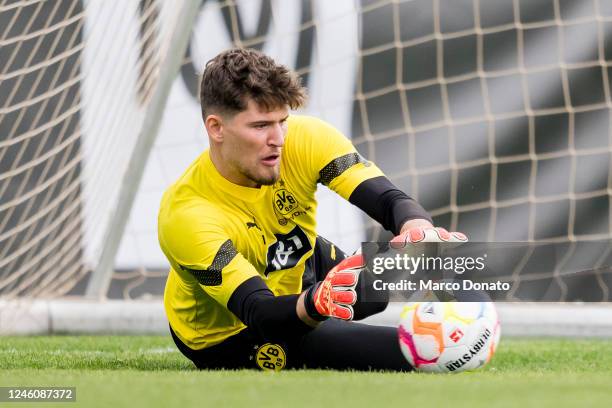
x=169, y=67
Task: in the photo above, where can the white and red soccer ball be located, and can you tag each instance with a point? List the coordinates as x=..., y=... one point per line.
x=450, y=336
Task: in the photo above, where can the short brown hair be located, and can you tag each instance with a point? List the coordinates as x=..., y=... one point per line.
x=235, y=75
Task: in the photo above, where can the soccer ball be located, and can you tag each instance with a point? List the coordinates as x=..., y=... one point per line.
x=448, y=337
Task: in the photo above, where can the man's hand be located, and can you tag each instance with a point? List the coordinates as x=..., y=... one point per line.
x=335, y=295
x=425, y=232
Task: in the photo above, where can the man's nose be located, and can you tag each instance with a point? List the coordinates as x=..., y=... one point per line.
x=277, y=135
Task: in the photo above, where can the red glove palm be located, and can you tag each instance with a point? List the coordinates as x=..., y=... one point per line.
x=335, y=295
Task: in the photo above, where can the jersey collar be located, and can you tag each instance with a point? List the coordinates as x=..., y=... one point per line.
x=217, y=181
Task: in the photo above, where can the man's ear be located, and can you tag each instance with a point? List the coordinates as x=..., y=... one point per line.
x=214, y=127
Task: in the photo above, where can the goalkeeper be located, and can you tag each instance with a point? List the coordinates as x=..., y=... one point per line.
x=251, y=284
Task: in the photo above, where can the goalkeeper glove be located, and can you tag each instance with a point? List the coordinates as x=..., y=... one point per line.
x=426, y=234
x=335, y=295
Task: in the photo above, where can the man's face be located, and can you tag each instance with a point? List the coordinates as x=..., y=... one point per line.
x=252, y=145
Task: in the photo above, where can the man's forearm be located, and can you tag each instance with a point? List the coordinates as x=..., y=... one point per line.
x=273, y=318
x=388, y=205
x=300, y=309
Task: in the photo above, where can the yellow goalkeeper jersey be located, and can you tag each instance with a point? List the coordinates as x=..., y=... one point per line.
x=217, y=234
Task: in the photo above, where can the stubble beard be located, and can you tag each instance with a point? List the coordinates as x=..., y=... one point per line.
x=261, y=179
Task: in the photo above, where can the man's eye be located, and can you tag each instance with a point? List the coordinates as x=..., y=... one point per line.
x=260, y=126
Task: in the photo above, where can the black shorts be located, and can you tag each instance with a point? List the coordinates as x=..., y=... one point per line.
x=334, y=344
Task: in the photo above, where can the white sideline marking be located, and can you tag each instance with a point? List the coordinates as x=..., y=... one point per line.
x=32, y=317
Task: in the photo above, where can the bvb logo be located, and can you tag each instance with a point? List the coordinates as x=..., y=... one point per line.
x=284, y=201
x=270, y=357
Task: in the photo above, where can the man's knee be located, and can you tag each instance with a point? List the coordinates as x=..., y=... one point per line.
x=369, y=300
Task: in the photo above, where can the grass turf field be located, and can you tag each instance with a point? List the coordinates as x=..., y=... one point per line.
x=146, y=371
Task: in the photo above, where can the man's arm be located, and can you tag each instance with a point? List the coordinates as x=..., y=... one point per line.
x=388, y=205
x=399, y=213
x=278, y=318
x=274, y=318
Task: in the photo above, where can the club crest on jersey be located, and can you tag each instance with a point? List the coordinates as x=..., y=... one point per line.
x=284, y=201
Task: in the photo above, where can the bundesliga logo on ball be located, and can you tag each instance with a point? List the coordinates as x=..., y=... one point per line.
x=448, y=337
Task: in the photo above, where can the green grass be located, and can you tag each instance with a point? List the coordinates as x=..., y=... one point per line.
x=126, y=371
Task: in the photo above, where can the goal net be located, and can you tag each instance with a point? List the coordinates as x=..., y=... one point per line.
x=494, y=114
x=77, y=80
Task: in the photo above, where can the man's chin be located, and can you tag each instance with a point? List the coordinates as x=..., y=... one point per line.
x=267, y=180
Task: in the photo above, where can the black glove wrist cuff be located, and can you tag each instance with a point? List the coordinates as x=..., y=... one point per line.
x=310, y=306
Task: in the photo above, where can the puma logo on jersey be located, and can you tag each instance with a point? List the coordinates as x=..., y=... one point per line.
x=252, y=225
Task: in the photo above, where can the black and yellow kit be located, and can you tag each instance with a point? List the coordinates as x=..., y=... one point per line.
x=219, y=236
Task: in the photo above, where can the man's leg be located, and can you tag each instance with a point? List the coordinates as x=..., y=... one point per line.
x=334, y=344
x=242, y=350
x=341, y=345
x=234, y=352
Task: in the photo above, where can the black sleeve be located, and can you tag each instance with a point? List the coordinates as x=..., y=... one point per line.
x=273, y=318
x=385, y=203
